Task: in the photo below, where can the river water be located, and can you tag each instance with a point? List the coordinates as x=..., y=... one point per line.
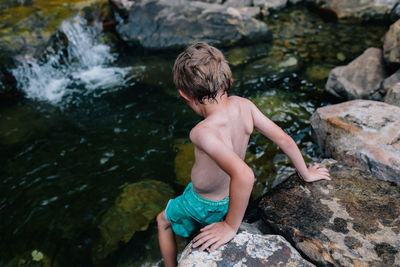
x=106, y=115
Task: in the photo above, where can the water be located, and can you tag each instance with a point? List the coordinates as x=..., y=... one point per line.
x=83, y=64
x=94, y=119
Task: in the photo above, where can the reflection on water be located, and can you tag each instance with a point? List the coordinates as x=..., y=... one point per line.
x=68, y=148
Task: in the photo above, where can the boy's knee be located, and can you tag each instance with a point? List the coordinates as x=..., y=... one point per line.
x=162, y=220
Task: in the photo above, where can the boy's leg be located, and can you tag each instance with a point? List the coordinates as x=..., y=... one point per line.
x=166, y=240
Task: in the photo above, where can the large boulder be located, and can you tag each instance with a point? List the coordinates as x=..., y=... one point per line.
x=173, y=24
x=360, y=78
x=246, y=249
x=356, y=10
x=270, y=4
x=391, y=44
x=352, y=220
x=362, y=133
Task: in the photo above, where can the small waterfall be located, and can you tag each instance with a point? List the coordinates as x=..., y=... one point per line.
x=84, y=68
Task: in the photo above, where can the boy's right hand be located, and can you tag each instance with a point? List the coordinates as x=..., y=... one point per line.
x=316, y=173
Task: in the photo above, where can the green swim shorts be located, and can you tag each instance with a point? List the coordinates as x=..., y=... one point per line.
x=189, y=212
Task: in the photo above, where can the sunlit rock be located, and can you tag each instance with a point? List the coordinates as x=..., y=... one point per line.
x=391, y=44
x=360, y=78
x=355, y=10
x=134, y=209
x=393, y=95
x=349, y=221
x=362, y=133
x=183, y=163
x=246, y=249
x=167, y=24
x=270, y=4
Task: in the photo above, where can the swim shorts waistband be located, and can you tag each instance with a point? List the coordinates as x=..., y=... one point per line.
x=190, y=191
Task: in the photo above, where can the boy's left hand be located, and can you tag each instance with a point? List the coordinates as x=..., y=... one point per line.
x=215, y=234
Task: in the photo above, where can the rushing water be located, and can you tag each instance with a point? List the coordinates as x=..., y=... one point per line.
x=93, y=120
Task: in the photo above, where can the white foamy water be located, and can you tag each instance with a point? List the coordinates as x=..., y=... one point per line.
x=86, y=67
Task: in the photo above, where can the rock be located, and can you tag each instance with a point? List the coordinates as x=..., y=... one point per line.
x=395, y=15
x=133, y=211
x=349, y=221
x=183, y=163
x=391, y=44
x=246, y=249
x=362, y=133
x=174, y=24
x=34, y=258
x=240, y=55
x=318, y=73
x=393, y=95
x=355, y=10
x=238, y=3
x=385, y=86
x=360, y=78
x=270, y=4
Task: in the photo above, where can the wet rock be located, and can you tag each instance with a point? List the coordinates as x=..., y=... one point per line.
x=355, y=10
x=246, y=249
x=270, y=4
x=162, y=24
x=362, y=133
x=34, y=258
x=349, y=221
x=391, y=44
x=240, y=55
x=183, y=163
x=360, y=78
x=393, y=95
x=395, y=15
x=385, y=86
x=133, y=211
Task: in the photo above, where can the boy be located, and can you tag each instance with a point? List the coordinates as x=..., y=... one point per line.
x=221, y=180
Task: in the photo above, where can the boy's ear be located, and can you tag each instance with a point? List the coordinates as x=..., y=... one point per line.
x=183, y=95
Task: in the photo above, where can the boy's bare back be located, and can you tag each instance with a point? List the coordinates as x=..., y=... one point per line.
x=229, y=128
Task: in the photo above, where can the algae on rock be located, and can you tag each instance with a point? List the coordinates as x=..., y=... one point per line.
x=133, y=211
x=183, y=163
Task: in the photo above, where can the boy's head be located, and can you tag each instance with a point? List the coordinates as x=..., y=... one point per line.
x=201, y=72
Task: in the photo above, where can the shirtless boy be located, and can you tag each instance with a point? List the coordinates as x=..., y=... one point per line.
x=221, y=180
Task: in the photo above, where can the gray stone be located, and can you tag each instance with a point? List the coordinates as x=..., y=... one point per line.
x=391, y=44
x=238, y=3
x=246, y=249
x=352, y=220
x=393, y=95
x=270, y=4
x=173, y=24
x=356, y=10
x=363, y=133
x=360, y=78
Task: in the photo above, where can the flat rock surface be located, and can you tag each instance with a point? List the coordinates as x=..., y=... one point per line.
x=173, y=24
x=352, y=220
x=246, y=249
x=360, y=78
x=362, y=133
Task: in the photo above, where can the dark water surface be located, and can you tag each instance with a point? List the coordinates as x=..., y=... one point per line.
x=63, y=163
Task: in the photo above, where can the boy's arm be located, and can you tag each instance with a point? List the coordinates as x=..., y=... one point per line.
x=242, y=179
x=269, y=129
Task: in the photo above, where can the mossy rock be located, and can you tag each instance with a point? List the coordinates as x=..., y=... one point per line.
x=183, y=162
x=280, y=107
x=318, y=73
x=237, y=56
x=134, y=209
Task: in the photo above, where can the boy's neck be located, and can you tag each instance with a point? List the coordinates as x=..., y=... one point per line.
x=211, y=107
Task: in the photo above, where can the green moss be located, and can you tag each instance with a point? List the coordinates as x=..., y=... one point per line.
x=134, y=209
x=184, y=161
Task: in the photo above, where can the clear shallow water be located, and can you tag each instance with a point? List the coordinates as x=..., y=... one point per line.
x=65, y=158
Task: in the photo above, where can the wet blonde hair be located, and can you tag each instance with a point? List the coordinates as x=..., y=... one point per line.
x=202, y=72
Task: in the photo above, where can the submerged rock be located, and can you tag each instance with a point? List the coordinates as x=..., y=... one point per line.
x=391, y=44
x=246, y=249
x=349, y=221
x=362, y=133
x=133, y=211
x=355, y=10
x=183, y=163
x=173, y=24
x=360, y=78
